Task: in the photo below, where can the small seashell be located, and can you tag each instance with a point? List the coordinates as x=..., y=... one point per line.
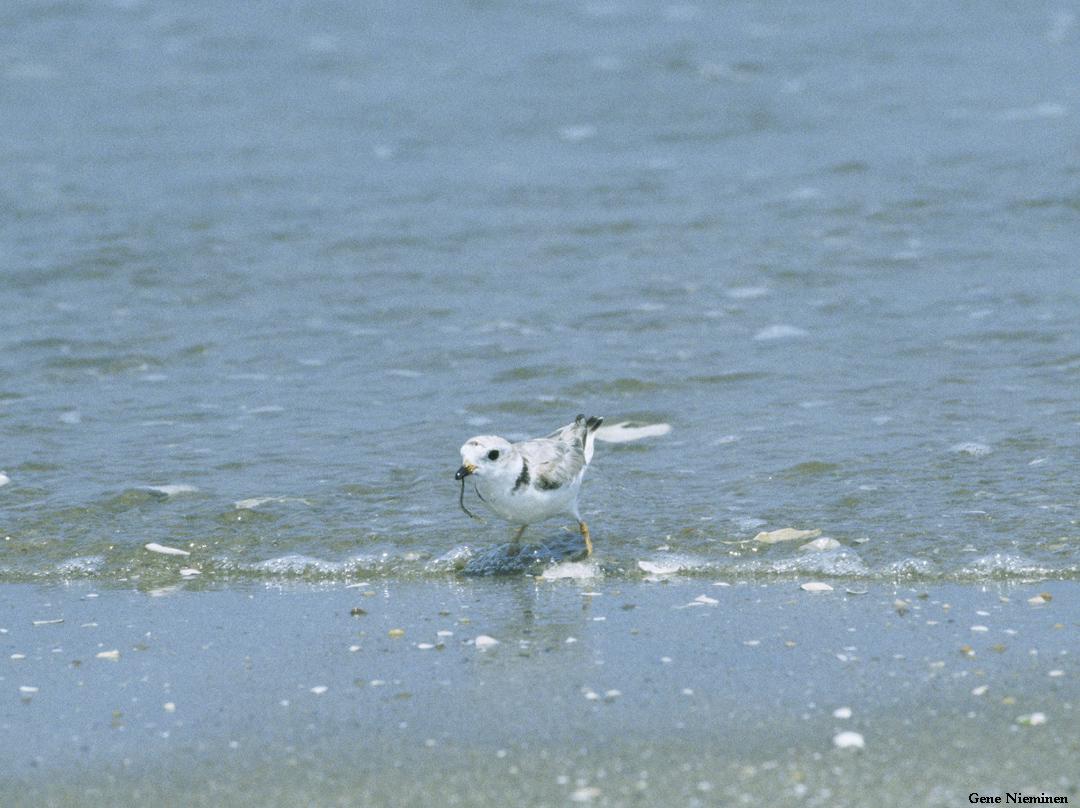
x=113, y=655
x=318, y=690
x=154, y=547
x=842, y=712
x=815, y=586
x=785, y=534
x=484, y=642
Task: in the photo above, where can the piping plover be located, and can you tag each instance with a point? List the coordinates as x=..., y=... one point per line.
x=532, y=480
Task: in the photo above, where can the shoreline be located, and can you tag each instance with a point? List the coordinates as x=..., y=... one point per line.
x=277, y=694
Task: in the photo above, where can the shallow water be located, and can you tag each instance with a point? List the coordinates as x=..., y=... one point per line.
x=296, y=257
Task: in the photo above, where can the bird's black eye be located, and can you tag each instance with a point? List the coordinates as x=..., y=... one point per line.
x=493, y=454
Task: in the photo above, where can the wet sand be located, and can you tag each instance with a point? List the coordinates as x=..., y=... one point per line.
x=606, y=693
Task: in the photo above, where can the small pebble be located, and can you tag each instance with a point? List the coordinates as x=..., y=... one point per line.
x=842, y=712
x=585, y=794
x=980, y=690
x=396, y=632
x=484, y=642
x=113, y=655
x=848, y=740
x=169, y=707
x=1056, y=673
x=706, y=600
x=28, y=689
x=1038, y=600
x=1033, y=720
x=424, y=646
x=318, y=690
x=815, y=586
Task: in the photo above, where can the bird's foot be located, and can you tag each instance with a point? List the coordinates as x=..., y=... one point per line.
x=585, y=535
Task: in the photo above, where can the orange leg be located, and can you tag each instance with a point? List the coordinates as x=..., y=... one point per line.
x=585, y=535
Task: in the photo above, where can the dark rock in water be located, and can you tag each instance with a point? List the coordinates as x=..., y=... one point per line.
x=511, y=559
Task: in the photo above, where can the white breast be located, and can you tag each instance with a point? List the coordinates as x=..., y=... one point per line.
x=529, y=504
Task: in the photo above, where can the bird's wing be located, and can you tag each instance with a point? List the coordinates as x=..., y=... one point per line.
x=557, y=459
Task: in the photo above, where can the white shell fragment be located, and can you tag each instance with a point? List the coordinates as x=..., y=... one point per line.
x=626, y=431
x=1033, y=720
x=48, y=622
x=822, y=545
x=842, y=712
x=28, y=689
x=318, y=690
x=1038, y=600
x=484, y=642
x=705, y=599
x=113, y=655
x=785, y=534
x=154, y=547
x=815, y=586
x=848, y=740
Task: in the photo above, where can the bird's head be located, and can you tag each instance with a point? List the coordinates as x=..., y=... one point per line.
x=484, y=455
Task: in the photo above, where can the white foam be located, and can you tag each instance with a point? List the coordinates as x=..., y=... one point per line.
x=1044, y=110
x=577, y=133
x=252, y=503
x=746, y=292
x=82, y=565
x=571, y=569
x=173, y=489
x=774, y=332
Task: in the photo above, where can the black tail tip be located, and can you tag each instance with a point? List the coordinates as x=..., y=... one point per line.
x=593, y=423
